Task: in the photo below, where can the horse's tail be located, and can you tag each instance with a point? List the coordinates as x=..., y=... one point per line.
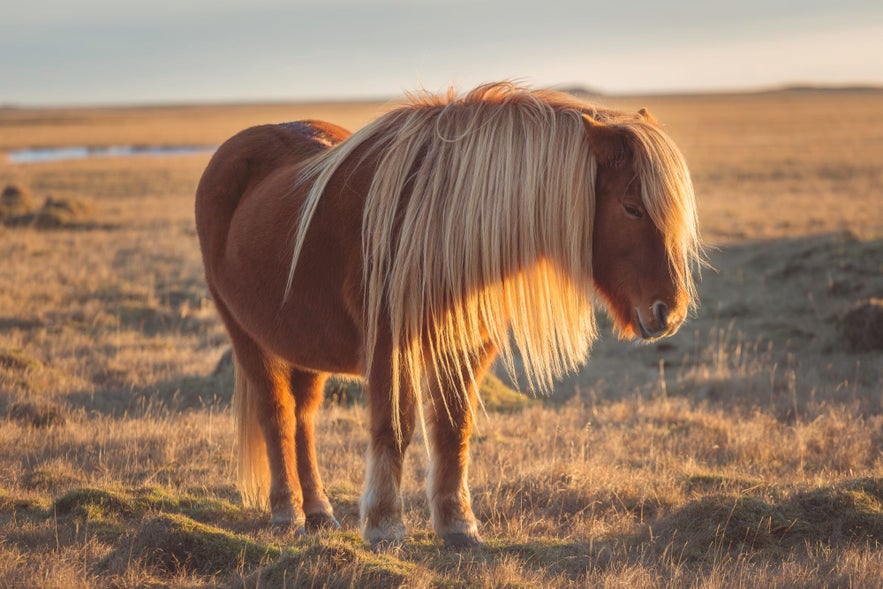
x=254, y=468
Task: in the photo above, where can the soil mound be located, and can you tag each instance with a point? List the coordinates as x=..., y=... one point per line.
x=17, y=209
x=15, y=201
x=861, y=328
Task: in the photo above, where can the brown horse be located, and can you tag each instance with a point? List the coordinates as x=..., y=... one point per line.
x=412, y=253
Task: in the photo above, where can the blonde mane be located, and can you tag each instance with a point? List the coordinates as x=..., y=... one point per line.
x=478, y=227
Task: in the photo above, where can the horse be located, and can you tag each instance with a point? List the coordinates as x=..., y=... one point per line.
x=450, y=231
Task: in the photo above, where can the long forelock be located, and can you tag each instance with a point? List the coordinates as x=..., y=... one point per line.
x=667, y=193
x=477, y=228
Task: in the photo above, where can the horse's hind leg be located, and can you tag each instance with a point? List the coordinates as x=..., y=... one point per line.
x=451, y=418
x=272, y=411
x=308, y=388
x=266, y=427
x=380, y=509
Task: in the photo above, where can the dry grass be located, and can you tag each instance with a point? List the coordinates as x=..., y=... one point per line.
x=745, y=451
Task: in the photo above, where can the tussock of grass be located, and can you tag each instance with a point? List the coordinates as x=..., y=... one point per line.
x=173, y=543
x=850, y=513
x=15, y=200
x=56, y=213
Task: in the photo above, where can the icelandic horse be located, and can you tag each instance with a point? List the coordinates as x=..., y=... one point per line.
x=447, y=232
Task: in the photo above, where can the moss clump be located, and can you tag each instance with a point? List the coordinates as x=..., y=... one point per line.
x=496, y=396
x=173, y=543
x=90, y=502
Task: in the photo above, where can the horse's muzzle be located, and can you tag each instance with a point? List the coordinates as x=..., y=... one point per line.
x=660, y=325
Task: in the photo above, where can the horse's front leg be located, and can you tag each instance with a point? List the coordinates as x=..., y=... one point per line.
x=381, y=505
x=451, y=418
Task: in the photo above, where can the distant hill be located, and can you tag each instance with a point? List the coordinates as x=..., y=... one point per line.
x=580, y=91
x=823, y=89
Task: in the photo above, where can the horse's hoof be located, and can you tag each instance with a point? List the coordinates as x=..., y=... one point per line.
x=321, y=521
x=390, y=535
x=284, y=525
x=460, y=540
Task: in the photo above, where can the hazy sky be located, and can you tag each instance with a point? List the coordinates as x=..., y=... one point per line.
x=114, y=51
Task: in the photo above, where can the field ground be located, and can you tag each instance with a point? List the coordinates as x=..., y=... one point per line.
x=747, y=450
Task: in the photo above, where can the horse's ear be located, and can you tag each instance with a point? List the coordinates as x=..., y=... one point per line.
x=609, y=143
x=645, y=114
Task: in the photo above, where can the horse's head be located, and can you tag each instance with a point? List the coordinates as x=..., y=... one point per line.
x=644, y=239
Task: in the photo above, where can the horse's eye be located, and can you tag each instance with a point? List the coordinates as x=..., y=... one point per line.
x=633, y=211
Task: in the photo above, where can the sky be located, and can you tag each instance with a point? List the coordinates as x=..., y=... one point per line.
x=64, y=52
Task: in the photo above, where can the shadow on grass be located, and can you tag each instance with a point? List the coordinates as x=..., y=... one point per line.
x=216, y=390
x=206, y=536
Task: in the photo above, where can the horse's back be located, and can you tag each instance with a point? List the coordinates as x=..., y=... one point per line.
x=247, y=205
x=248, y=158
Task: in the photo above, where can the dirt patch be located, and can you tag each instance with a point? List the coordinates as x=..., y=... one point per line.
x=861, y=327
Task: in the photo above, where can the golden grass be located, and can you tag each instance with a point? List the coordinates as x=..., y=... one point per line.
x=745, y=451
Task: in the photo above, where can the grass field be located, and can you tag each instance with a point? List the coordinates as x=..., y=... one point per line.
x=746, y=451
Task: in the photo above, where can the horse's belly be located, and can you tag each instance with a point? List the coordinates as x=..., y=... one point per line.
x=315, y=326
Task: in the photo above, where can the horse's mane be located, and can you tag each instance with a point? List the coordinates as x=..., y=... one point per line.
x=478, y=225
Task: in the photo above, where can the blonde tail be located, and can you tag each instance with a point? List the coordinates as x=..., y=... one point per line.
x=254, y=468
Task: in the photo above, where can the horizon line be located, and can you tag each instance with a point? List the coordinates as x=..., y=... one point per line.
x=575, y=89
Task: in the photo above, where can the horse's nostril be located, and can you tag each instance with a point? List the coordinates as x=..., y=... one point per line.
x=661, y=313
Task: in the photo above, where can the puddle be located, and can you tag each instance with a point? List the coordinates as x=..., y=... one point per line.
x=55, y=154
